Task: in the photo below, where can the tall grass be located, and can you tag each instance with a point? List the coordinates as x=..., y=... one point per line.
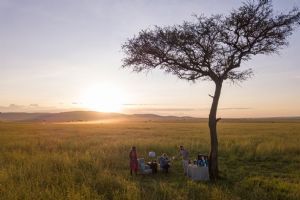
x=71, y=161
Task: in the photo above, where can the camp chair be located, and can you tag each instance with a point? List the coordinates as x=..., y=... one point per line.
x=143, y=168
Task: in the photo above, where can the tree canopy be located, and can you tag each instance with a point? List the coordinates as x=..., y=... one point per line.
x=212, y=47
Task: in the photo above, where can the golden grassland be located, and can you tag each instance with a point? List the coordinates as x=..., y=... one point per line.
x=90, y=161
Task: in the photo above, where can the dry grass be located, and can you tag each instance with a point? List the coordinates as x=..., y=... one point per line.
x=90, y=161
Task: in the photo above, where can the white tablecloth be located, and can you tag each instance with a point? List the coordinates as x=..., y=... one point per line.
x=198, y=173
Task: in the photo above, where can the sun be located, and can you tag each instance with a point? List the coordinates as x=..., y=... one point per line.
x=103, y=98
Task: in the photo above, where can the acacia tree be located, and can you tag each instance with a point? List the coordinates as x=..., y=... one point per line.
x=212, y=48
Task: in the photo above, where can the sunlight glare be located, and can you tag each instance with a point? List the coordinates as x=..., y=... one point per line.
x=103, y=98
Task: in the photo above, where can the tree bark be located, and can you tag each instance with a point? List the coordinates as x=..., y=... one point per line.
x=212, y=123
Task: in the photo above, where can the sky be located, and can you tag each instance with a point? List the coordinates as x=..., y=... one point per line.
x=64, y=55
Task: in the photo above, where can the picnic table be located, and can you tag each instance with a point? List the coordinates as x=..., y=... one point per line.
x=198, y=173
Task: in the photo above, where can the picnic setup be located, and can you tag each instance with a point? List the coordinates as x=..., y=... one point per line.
x=196, y=170
x=199, y=169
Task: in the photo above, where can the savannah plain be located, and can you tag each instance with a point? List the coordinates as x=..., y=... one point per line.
x=258, y=159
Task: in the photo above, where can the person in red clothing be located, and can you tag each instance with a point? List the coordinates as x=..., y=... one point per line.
x=133, y=160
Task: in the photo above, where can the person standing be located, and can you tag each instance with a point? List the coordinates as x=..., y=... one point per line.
x=185, y=159
x=133, y=160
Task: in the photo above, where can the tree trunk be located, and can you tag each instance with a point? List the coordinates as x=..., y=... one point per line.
x=212, y=123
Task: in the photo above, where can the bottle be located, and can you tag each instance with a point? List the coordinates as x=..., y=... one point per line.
x=205, y=162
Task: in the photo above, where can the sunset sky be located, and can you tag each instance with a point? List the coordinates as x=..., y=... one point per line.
x=63, y=55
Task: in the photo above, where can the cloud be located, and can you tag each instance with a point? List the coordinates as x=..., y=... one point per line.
x=166, y=109
x=29, y=108
x=235, y=108
x=13, y=106
x=139, y=104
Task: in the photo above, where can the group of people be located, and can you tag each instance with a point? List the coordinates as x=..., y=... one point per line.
x=163, y=160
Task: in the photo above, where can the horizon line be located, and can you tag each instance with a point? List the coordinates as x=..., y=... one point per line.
x=161, y=115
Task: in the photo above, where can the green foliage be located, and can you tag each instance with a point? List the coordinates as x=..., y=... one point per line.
x=90, y=161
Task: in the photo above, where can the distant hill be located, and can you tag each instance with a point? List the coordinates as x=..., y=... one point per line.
x=89, y=116
x=82, y=116
x=20, y=116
